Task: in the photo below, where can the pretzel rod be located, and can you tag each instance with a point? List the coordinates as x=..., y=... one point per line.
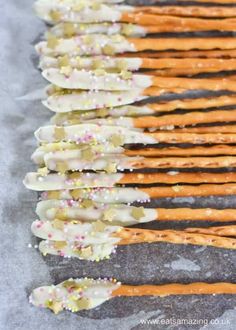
x=85, y=293
x=130, y=195
x=221, y=54
x=53, y=181
x=95, y=234
x=80, y=79
x=188, y=72
x=184, y=152
x=101, y=44
x=182, y=120
x=74, y=160
x=178, y=24
x=75, y=100
x=217, y=231
x=124, y=215
x=174, y=289
x=135, y=235
x=117, y=135
x=207, y=129
x=40, y=153
x=188, y=11
x=75, y=117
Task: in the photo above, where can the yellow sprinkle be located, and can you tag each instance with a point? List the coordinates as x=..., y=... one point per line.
x=55, y=15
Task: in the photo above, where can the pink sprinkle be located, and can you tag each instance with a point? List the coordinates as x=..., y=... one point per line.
x=61, y=254
x=70, y=202
x=49, y=235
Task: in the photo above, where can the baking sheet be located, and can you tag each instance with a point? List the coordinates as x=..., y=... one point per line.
x=23, y=268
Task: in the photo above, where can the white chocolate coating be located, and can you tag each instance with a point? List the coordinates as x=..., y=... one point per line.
x=86, y=14
x=78, y=46
x=85, y=233
x=63, y=295
x=73, y=118
x=68, y=250
x=99, y=28
x=73, y=160
x=88, y=63
x=119, y=214
x=103, y=195
x=90, y=133
x=84, y=100
x=53, y=181
x=39, y=154
x=85, y=79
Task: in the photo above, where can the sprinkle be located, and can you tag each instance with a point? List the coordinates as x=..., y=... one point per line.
x=55, y=15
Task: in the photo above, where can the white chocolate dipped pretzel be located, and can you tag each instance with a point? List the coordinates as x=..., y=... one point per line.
x=118, y=136
x=102, y=80
x=125, y=215
x=99, y=44
x=81, y=294
x=86, y=240
x=136, y=63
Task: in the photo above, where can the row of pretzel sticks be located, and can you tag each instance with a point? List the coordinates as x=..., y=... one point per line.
x=64, y=296
x=80, y=79
x=96, y=234
x=133, y=15
x=110, y=45
x=118, y=136
x=124, y=215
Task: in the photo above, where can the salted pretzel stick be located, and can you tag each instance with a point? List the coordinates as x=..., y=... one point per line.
x=117, y=135
x=95, y=292
x=182, y=120
x=80, y=79
x=207, y=129
x=135, y=235
x=178, y=24
x=229, y=230
x=130, y=195
x=221, y=54
x=187, y=72
x=39, y=181
x=102, y=44
x=188, y=11
x=184, y=152
x=125, y=215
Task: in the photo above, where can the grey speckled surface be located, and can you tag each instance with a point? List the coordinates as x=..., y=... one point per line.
x=23, y=269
